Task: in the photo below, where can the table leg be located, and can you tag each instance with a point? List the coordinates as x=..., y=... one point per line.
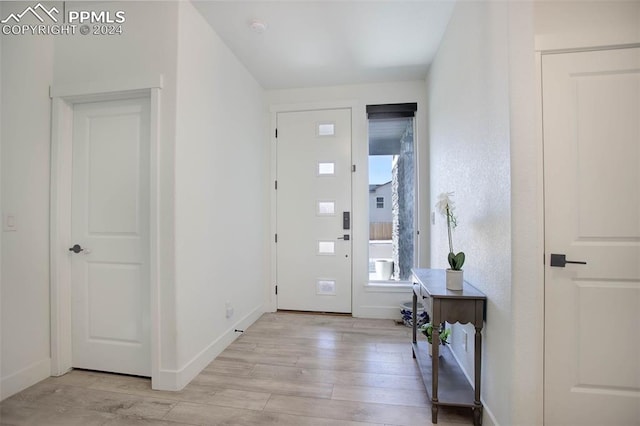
x=414, y=317
x=477, y=411
x=435, y=364
x=477, y=416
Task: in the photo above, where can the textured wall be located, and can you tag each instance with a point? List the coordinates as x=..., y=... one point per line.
x=468, y=90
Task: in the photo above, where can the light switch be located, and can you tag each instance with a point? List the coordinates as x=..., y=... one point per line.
x=9, y=222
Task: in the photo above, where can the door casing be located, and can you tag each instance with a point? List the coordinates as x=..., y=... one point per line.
x=63, y=99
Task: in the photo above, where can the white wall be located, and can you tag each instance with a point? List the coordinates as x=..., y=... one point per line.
x=515, y=365
x=212, y=232
x=468, y=90
x=556, y=25
x=147, y=48
x=30, y=64
x=222, y=206
x=526, y=223
x=369, y=301
x=570, y=24
x=27, y=69
x=211, y=147
x=1, y=375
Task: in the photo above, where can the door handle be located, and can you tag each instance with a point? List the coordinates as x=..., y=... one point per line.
x=560, y=260
x=76, y=248
x=345, y=237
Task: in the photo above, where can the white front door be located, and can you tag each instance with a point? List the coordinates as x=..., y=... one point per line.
x=591, y=103
x=313, y=197
x=110, y=223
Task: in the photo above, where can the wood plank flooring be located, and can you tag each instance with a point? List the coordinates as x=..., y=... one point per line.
x=286, y=369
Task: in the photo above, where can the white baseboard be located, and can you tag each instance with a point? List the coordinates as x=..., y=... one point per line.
x=488, y=419
x=24, y=378
x=175, y=380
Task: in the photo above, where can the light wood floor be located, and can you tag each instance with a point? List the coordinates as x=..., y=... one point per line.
x=286, y=369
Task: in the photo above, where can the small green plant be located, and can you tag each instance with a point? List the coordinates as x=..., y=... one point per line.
x=445, y=207
x=443, y=333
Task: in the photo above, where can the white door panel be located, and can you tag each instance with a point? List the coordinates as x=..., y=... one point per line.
x=110, y=211
x=314, y=189
x=591, y=104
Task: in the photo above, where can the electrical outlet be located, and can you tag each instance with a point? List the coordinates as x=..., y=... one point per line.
x=229, y=310
x=464, y=340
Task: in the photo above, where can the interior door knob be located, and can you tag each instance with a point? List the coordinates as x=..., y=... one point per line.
x=560, y=260
x=76, y=248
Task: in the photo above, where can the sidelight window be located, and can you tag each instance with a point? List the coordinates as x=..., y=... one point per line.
x=391, y=192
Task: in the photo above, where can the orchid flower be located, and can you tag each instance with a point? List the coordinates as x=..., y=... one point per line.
x=445, y=207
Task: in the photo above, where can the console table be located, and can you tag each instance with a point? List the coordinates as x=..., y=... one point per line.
x=444, y=380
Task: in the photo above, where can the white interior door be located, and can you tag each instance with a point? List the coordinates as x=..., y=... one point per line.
x=110, y=222
x=313, y=193
x=591, y=104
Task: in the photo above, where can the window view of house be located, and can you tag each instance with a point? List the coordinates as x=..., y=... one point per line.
x=391, y=198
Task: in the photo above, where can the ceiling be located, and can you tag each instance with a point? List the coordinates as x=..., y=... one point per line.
x=310, y=43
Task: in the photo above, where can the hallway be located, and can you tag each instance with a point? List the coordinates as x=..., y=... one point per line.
x=286, y=369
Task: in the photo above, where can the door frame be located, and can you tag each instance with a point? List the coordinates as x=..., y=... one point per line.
x=270, y=297
x=63, y=99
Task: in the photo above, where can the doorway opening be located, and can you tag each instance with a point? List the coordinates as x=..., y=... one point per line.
x=392, y=242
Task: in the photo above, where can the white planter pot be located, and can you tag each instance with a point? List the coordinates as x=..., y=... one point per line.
x=454, y=280
x=384, y=269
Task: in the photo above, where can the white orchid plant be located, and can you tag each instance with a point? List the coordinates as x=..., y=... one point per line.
x=445, y=207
